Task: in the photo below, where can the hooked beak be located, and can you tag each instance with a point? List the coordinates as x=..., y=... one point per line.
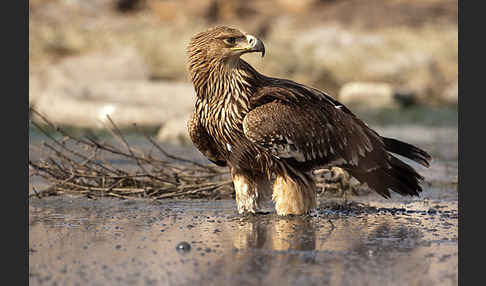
x=251, y=45
x=255, y=45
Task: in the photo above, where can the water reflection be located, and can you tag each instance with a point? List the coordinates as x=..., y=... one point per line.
x=303, y=233
x=227, y=249
x=370, y=250
x=293, y=233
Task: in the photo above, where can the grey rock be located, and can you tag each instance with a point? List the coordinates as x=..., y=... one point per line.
x=451, y=94
x=373, y=95
x=81, y=91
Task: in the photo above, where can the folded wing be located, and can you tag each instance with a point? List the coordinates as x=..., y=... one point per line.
x=308, y=129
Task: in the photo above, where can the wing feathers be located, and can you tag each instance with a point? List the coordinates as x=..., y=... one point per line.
x=307, y=130
x=203, y=142
x=407, y=150
x=306, y=133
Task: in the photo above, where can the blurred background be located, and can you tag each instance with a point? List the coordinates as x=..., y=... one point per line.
x=127, y=58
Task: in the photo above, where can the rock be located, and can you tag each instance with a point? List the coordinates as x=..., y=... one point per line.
x=74, y=112
x=81, y=91
x=374, y=95
x=451, y=94
x=425, y=57
x=129, y=5
x=36, y=88
x=75, y=73
x=377, y=95
x=406, y=96
x=114, y=64
x=142, y=102
x=302, y=6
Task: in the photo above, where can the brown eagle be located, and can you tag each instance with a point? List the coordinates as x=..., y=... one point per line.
x=273, y=132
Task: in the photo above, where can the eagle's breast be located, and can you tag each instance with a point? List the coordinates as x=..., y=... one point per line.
x=222, y=106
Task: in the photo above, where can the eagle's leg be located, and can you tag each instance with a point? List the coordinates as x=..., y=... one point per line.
x=250, y=191
x=294, y=195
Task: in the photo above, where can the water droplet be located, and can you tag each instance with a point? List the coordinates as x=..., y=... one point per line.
x=183, y=247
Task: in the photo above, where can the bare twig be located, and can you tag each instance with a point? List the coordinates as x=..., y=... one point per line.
x=81, y=166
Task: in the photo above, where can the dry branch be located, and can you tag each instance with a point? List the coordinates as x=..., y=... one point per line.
x=85, y=166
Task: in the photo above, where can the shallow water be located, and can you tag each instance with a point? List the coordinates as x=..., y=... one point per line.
x=401, y=241
x=106, y=242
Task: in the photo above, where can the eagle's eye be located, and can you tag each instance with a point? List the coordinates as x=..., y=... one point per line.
x=230, y=40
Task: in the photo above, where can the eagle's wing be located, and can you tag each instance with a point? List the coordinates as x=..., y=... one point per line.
x=308, y=134
x=308, y=129
x=203, y=142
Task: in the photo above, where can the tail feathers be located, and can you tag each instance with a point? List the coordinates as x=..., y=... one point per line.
x=399, y=178
x=407, y=150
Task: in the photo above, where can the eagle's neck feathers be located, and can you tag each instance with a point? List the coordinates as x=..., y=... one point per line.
x=223, y=93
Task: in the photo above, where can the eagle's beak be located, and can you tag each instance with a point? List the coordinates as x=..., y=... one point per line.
x=255, y=45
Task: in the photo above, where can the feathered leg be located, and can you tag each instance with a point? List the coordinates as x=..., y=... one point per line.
x=250, y=191
x=294, y=194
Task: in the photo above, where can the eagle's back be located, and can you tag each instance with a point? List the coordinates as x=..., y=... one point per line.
x=308, y=129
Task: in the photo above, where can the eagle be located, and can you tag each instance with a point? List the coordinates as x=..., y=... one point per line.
x=272, y=132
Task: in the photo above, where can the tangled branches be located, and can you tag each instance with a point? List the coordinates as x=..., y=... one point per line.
x=91, y=167
x=86, y=166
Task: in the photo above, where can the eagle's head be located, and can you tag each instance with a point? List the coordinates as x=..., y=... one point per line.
x=219, y=46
